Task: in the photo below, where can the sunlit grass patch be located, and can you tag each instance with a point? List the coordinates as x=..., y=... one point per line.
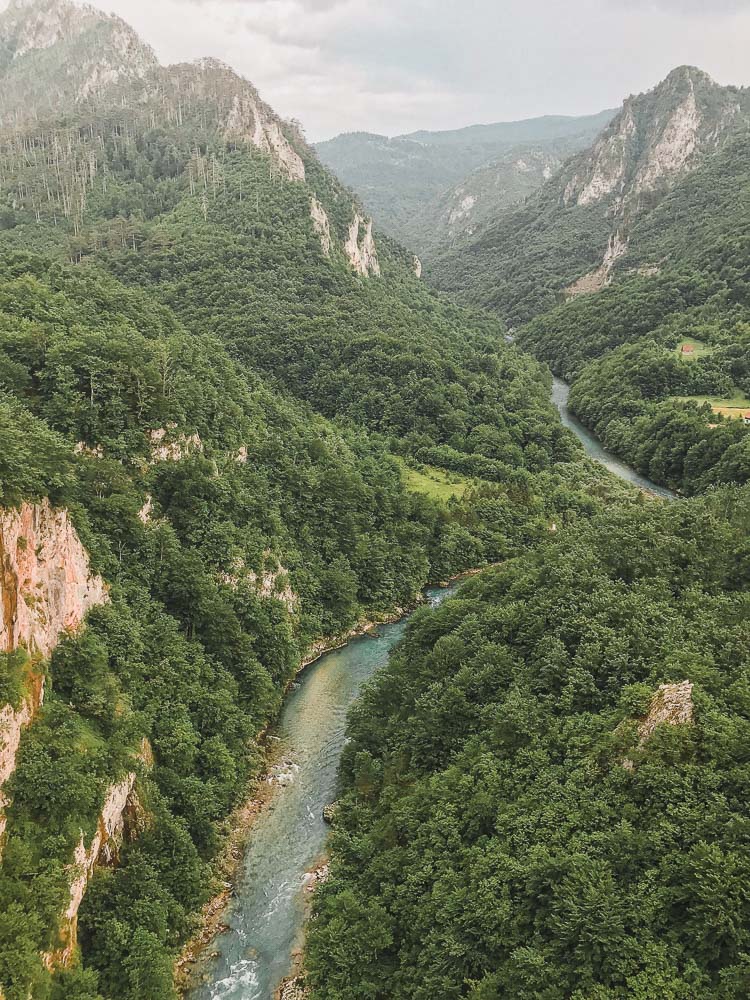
x=433, y=482
x=734, y=406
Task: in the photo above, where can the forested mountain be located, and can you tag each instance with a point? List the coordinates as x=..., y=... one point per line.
x=630, y=265
x=53, y=55
x=234, y=423
x=585, y=222
x=544, y=791
x=661, y=359
x=217, y=383
x=428, y=189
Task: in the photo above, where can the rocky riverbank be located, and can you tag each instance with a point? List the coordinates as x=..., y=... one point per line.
x=238, y=826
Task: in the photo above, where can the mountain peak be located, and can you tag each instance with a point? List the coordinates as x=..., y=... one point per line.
x=656, y=137
x=692, y=74
x=55, y=52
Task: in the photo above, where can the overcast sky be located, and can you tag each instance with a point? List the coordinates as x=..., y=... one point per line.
x=393, y=66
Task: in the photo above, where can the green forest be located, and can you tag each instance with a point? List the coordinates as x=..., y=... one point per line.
x=266, y=430
x=505, y=829
x=217, y=323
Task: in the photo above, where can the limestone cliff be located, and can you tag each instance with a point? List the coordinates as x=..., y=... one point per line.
x=250, y=120
x=596, y=280
x=321, y=225
x=120, y=819
x=360, y=247
x=46, y=588
x=46, y=582
x=13, y=721
x=656, y=137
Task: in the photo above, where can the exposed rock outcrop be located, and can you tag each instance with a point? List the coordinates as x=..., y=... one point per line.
x=322, y=225
x=656, y=137
x=104, y=849
x=269, y=583
x=46, y=588
x=13, y=721
x=252, y=121
x=672, y=705
x=167, y=445
x=144, y=514
x=319, y=876
x=82, y=448
x=46, y=582
x=596, y=280
x=292, y=989
x=603, y=171
x=360, y=247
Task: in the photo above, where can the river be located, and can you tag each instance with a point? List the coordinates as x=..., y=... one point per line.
x=266, y=916
x=594, y=448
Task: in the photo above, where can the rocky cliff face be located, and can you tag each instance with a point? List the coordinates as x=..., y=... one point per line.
x=250, y=120
x=656, y=137
x=360, y=247
x=321, y=225
x=168, y=444
x=46, y=588
x=46, y=582
x=13, y=721
x=116, y=821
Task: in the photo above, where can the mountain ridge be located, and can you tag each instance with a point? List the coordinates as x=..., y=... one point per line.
x=406, y=179
x=575, y=229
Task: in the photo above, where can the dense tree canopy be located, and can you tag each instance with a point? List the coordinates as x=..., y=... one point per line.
x=504, y=830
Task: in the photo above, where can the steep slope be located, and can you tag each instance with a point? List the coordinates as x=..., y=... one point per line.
x=196, y=189
x=404, y=181
x=568, y=239
x=56, y=54
x=546, y=782
x=200, y=269
x=462, y=210
x=661, y=359
x=233, y=529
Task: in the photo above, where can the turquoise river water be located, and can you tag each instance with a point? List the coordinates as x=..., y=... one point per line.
x=266, y=916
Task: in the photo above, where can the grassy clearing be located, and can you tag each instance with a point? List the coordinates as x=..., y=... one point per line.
x=734, y=406
x=435, y=483
x=700, y=349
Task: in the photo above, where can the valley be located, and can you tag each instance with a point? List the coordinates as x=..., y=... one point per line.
x=250, y=402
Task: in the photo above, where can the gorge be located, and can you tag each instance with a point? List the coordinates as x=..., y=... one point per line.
x=267, y=912
x=239, y=419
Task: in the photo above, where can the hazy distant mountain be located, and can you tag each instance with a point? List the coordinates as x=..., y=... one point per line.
x=409, y=181
x=571, y=236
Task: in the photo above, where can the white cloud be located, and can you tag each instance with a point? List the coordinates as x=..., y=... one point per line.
x=704, y=8
x=396, y=65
